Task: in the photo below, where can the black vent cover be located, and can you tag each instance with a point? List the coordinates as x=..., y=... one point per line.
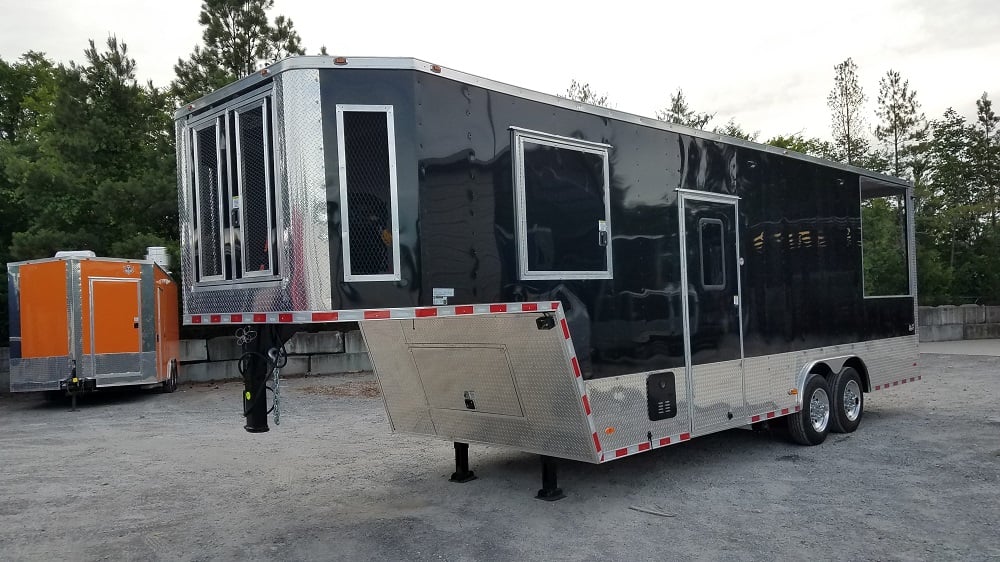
x=661, y=396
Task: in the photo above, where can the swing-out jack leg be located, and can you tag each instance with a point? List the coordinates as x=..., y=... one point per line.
x=550, y=491
x=462, y=473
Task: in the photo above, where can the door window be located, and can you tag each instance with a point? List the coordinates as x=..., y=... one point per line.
x=713, y=254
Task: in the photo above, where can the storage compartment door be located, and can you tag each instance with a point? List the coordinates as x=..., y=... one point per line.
x=114, y=317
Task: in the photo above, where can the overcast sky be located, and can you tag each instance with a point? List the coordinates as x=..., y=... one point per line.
x=768, y=64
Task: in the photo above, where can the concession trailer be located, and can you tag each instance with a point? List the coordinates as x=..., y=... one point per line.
x=538, y=273
x=80, y=323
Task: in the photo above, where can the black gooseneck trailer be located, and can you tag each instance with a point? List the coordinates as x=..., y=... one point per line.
x=534, y=272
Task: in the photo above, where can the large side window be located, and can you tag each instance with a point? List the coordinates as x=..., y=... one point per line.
x=883, y=239
x=234, y=214
x=369, y=215
x=563, y=208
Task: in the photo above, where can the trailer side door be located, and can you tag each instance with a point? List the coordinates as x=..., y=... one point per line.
x=713, y=338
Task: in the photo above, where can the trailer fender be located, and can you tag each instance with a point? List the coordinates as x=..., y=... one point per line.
x=824, y=367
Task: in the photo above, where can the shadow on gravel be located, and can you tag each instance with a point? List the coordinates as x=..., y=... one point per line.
x=105, y=397
x=719, y=449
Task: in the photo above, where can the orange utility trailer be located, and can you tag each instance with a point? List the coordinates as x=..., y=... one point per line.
x=83, y=323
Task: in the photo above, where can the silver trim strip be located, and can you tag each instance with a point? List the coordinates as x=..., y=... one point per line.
x=574, y=142
x=403, y=63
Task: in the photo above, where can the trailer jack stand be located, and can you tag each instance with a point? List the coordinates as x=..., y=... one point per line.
x=462, y=473
x=550, y=491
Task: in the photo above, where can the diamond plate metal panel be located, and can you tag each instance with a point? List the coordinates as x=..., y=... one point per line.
x=122, y=379
x=768, y=379
x=405, y=401
x=74, y=308
x=147, y=308
x=717, y=390
x=554, y=423
x=889, y=360
x=303, y=250
x=620, y=403
x=38, y=373
x=302, y=168
x=110, y=363
x=486, y=387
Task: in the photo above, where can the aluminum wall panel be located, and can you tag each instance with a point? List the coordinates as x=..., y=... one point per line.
x=717, y=390
x=147, y=308
x=75, y=305
x=302, y=169
x=38, y=373
x=555, y=421
x=620, y=403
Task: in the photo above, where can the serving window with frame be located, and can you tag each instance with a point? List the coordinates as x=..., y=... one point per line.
x=233, y=202
x=369, y=200
x=884, y=235
x=561, y=197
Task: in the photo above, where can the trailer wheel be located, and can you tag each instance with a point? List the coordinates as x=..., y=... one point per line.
x=170, y=385
x=811, y=425
x=848, y=401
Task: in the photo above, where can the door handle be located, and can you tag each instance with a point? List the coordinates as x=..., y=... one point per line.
x=135, y=322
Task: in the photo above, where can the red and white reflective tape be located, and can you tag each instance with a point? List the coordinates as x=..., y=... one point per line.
x=574, y=368
x=774, y=414
x=645, y=446
x=318, y=316
x=897, y=383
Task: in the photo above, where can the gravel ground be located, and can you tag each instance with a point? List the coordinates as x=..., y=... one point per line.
x=145, y=476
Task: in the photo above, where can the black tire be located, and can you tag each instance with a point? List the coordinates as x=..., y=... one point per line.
x=803, y=427
x=847, y=401
x=170, y=385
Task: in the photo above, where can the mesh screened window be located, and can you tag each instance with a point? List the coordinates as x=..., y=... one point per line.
x=713, y=255
x=233, y=186
x=207, y=185
x=257, y=190
x=562, y=191
x=369, y=217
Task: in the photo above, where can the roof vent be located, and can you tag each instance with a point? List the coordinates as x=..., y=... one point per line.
x=75, y=254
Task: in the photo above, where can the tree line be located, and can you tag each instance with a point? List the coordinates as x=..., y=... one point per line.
x=87, y=155
x=954, y=164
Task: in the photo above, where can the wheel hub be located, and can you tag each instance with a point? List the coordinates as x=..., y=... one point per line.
x=852, y=400
x=819, y=409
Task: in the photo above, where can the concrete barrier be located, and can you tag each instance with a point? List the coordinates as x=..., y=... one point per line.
x=953, y=323
x=331, y=352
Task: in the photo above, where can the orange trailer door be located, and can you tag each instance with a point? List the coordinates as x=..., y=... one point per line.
x=114, y=316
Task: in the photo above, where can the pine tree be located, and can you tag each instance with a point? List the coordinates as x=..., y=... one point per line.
x=582, y=92
x=238, y=40
x=846, y=101
x=986, y=156
x=901, y=120
x=680, y=112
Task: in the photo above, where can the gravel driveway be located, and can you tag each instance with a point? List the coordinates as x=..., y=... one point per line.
x=145, y=476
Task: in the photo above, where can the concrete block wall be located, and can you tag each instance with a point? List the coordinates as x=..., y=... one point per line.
x=319, y=353
x=964, y=322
